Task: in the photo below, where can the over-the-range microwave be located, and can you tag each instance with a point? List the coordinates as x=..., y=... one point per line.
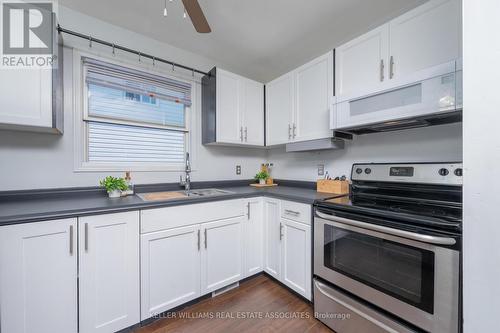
x=429, y=97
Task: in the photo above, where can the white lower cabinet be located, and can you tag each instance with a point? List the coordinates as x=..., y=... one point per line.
x=288, y=244
x=38, y=277
x=221, y=258
x=272, y=238
x=253, y=237
x=170, y=269
x=109, y=297
x=296, y=256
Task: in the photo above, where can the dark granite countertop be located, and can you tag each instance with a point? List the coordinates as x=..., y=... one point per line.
x=25, y=207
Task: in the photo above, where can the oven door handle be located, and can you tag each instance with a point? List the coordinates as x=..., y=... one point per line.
x=396, y=232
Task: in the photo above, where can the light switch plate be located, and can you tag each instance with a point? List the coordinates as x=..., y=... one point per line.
x=238, y=169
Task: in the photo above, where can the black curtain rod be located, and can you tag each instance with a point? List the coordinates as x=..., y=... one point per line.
x=126, y=49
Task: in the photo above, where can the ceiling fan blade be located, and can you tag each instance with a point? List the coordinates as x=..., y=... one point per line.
x=197, y=17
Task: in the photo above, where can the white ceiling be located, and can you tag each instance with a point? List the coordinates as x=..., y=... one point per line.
x=261, y=39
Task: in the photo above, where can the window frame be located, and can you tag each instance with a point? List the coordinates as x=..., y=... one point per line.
x=81, y=119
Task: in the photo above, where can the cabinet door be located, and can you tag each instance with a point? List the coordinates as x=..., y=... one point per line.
x=361, y=64
x=109, y=272
x=38, y=277
x=253, y=237
x=280, y=107
x=35, y=106
x=296, y=247
x=170, y=269
x=272, y=237
x=229, y=103
x=253, y=113
x=221, y=257
x=425, y=37
x=314, y=91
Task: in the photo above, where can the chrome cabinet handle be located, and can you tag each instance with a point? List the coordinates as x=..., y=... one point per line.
x=391, y=231
x=382, y=70
x=289, y=132
x=86, y=236
x=281, y=231
x=206, y=244
x=71, y=240
x=294, y=130
x=241, y=133
x=248, y=210
x=391, y=68
x=199, y=237
x=292, y=212
x=246, y=134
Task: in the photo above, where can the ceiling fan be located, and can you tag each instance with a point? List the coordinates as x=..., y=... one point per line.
x=193, y=9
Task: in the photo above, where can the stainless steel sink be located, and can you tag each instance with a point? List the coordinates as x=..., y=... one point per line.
x=180, y=195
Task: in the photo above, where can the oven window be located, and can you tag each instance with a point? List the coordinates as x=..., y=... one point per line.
x=401, y=271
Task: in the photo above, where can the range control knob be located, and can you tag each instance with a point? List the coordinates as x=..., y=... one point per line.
x=359, y=171
x=443, y=172
x=458, y=172
x=368, y=171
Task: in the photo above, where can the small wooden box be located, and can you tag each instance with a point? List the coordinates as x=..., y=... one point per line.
x=332, y=186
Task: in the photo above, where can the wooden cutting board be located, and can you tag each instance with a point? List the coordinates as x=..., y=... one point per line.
x=163, y=196
x=263, y=185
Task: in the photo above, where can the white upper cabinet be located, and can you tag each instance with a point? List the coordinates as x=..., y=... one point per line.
x=253, y=113
x=109, y=272
x=232, y=110
x=31, y=98
x=280, y=109
x=38, y=277
x=298, y=103
x=425, y=37
x=394, y=53
x=362, y=62
x=229, y=105
x=314, y=91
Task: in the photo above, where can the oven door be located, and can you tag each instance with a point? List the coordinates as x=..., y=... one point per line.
x=410, y=278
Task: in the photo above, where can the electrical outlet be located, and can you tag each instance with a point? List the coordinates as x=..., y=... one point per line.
x=321, y=169
x=238, y=169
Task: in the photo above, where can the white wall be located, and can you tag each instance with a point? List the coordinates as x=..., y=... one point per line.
x=481, y=156
x=30, y=160
x=432, y=144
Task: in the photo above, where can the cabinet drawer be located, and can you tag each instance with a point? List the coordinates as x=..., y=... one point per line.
x=296, y=211
x=172, y=217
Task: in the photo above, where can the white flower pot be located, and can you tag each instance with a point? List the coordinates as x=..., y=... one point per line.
x=262, y=181
x=115, y=194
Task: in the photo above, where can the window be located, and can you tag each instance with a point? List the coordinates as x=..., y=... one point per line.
x=132, y=119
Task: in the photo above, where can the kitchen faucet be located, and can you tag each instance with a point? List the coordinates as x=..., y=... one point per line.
x=187, y=183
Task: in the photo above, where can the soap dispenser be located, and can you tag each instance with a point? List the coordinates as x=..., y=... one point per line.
x=130, y=185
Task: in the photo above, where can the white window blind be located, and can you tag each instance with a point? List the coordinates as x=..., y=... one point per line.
x=134, y=117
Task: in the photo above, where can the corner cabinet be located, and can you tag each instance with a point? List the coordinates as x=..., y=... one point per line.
x=232, y=109
x=298, y=103
x=38, y=277
x=423, y=39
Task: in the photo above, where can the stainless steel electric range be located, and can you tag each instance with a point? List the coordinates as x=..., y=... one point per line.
x=387, y=258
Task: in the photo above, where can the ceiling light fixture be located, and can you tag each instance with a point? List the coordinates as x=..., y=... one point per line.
x=193, y=9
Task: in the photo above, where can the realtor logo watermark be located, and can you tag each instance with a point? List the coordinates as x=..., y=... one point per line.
x=27, y=35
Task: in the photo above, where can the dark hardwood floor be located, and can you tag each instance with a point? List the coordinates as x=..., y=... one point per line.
x=259, y=305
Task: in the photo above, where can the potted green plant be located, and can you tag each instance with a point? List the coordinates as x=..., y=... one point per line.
x=114, y=186
x=261, y=177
